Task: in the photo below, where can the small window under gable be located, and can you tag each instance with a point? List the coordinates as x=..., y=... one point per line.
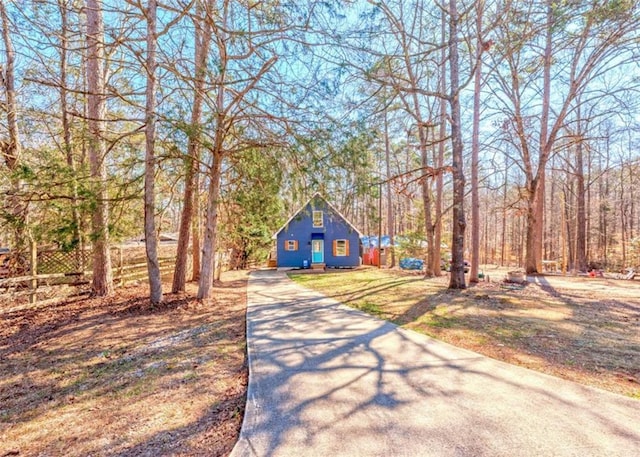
x=318, y=219
x=290, y=245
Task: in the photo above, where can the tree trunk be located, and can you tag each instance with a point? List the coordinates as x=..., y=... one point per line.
x=442, y=134
x=475, y=146
x=195, y=231
x=11, y=151
x=426, y=201
x=203, y=42
x=533, y=243
x=535, y=233
x=11, y=148
x=605, y=208
x=569, y=226
x=215, y=169
x=209, y=241
x=632, y=188
x=503, y=241
x=151, y=237
x=581, y=213
x=102, y=284
x=623, y=219
x=390, y=223
x=182, y=252
x=552, y=234
x=380, y=227
x=457, y=279
x=588, y=208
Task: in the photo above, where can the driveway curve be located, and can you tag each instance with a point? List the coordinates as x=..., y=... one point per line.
x=327, y=380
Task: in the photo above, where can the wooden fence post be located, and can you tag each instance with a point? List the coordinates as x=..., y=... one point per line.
x=120, y=267
x=33, y=283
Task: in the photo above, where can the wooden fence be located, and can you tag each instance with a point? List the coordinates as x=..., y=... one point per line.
x=55, y=273
x=51, y=271
x=39, y=286
x=55, y=261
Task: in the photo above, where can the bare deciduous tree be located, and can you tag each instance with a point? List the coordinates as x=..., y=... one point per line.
x=457, y=279
x=203, y=36
x=150, y=235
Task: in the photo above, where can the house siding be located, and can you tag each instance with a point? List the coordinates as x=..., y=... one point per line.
x=300, y=228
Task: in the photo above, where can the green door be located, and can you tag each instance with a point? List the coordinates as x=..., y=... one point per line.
x=317, y=251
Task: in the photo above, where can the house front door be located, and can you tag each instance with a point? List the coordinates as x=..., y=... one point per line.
x=317, y=251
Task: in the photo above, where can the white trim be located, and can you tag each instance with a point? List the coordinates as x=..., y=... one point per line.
x=317, y=194
x=313, y=218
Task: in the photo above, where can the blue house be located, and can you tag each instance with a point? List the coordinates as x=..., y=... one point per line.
x=317, y=236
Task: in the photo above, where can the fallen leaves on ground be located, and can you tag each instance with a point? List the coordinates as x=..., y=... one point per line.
x=119, y=376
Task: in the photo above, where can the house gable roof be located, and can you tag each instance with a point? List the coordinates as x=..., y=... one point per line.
x=318, y=195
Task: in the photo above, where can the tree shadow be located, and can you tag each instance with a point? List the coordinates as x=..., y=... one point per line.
x=509, y=318
x=322, y=372
x=60, y=356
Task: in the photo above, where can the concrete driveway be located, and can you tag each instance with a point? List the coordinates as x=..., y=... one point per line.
x=327, y=380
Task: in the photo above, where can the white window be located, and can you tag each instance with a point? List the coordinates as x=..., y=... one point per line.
x=317, y=219
x=291, y=245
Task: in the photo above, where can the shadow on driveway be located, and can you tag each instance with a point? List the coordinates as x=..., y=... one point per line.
x=327, y=380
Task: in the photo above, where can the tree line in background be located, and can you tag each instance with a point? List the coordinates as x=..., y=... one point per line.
x=499, y=131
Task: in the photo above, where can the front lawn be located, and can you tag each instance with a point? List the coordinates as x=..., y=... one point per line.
x=583, y=329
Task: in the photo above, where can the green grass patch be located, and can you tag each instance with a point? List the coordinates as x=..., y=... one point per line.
x=370, y=307
x=399, y=297
x=442, y=321
x=371, y=285
x=190, y=376
x=439, y=318
x=503, y=333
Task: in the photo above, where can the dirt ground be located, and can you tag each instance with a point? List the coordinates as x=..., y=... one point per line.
x=582, y=329
x=119, y=377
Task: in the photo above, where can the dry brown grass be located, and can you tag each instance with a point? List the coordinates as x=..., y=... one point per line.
x=583, y=329
x=118, y=376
